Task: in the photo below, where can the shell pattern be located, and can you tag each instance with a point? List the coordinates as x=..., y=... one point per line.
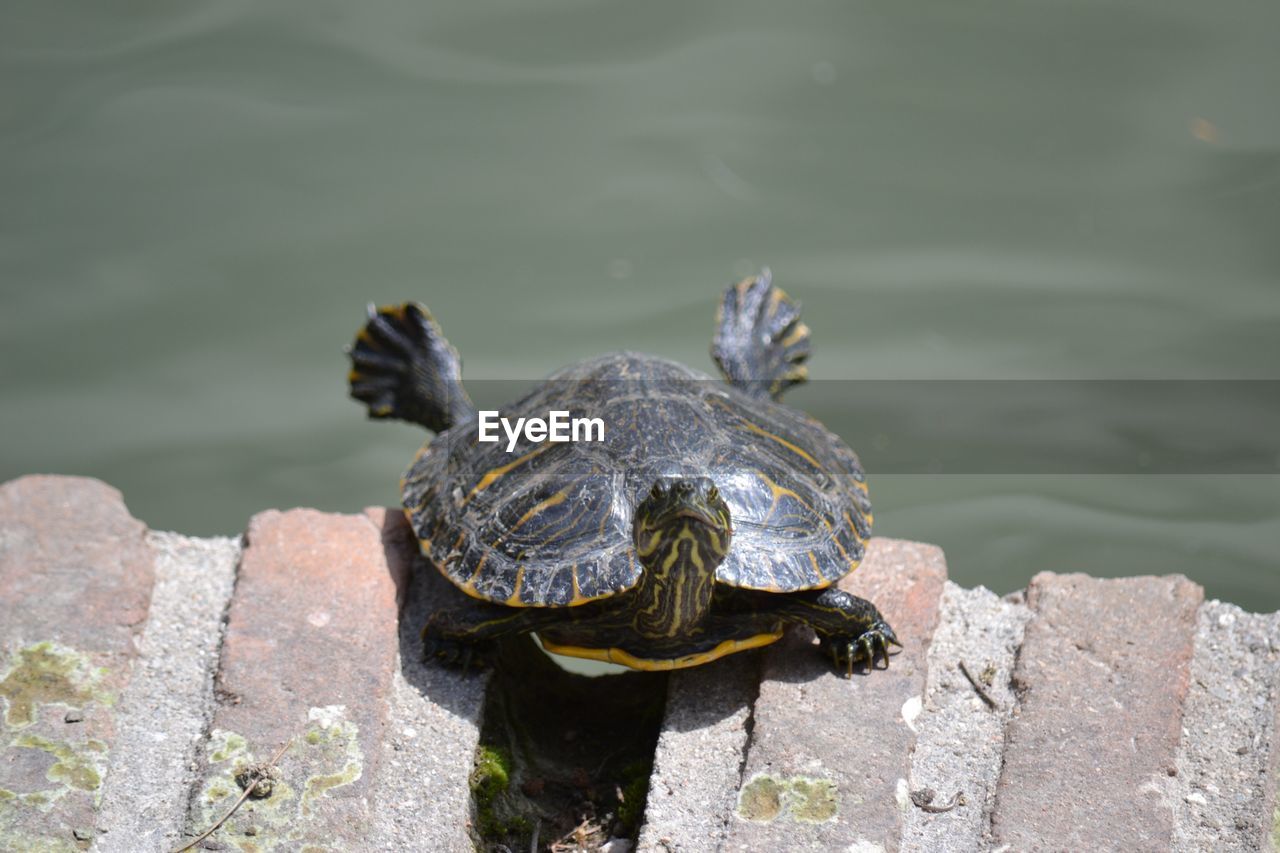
x=550, y=524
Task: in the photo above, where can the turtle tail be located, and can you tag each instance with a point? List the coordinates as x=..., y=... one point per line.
x=402, y=367
x=760, y=343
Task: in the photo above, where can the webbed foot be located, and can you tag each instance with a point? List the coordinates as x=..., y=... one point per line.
x=760, y=343
x=866, y=647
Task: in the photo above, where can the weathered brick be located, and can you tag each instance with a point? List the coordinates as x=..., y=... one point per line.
x=75, y=583
x=834, y=753
x=309, y=658
x=1101, y=676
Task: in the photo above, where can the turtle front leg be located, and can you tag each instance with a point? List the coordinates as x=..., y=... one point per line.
x=848, y=628
x=464, y=635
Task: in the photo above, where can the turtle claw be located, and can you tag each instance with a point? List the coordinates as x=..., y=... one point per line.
x=865, y=647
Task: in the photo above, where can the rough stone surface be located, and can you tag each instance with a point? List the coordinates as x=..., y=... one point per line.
x=1129, y=716
x=164, y=712
x=1225, y=797
x=1101, y=678
x=309, y=659
x=422, y=793
x=75, y=581
x=959, y=735
x=698, y=763
x=827, y=764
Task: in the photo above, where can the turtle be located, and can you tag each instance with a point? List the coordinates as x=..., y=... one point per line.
x=704, y=517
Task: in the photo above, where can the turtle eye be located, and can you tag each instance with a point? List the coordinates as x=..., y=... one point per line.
x=713, y=494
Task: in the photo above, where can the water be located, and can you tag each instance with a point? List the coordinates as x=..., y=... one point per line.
x=199, y=198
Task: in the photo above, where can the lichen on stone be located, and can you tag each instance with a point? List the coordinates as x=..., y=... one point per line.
x=806, y=799
x=760, y=799
x=47, y=673
x=324, y=756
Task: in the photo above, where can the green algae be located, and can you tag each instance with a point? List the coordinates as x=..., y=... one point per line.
x=801, y=798
x=46, y=673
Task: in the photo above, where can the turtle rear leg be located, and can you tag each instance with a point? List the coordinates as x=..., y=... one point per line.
x=402, y=367
x=760, y=344
x=466, y=634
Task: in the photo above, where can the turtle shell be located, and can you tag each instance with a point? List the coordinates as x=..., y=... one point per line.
x=549, y=524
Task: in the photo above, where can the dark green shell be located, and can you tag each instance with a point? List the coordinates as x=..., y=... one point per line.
x=550, y=524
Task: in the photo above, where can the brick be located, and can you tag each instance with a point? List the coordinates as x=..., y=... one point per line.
x=835, y=752
x=698, y=761
x=75, y=584
x=959, y=736
x=309, y=658
x=1224, y=796
x=1101, y=677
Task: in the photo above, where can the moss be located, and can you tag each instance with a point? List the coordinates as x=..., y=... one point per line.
x=46, y=673
x=490, y=778
x=635, y=791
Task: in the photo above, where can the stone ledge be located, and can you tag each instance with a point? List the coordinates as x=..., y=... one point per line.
x=1087, y=712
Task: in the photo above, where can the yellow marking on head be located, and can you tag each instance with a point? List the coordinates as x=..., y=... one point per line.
x=493, y=474
x=782, y=441
x=798, y=334
x=625, y=658
x=652, y=545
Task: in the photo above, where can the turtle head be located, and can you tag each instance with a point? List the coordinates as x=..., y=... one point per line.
x=682, y=534
x=678, y=508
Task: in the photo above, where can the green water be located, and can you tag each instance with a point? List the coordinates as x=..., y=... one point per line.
x=199, y=198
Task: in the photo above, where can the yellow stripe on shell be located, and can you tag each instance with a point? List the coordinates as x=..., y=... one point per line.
x=494, y=474
x=799, y=451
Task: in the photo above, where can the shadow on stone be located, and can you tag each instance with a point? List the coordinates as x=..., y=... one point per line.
x=420, y=589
